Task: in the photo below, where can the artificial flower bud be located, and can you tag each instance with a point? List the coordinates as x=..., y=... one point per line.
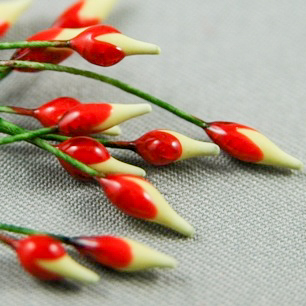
x=137, y=197
x=92, y=153
x=85, y=119
x=105, y=46
x=84, y=13
x=47, y=55
x=122, y=254
x=50, y=113
x=46, y=259
x=247, y=144
x=10, y=11
x=162, y=147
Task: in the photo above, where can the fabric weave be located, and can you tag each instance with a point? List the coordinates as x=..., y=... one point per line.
x=241, y=61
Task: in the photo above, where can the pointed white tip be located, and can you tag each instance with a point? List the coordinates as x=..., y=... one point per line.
x=129, y=45
x=145, y=257
x=113, y=165
x=68, y=268
x=113, y=131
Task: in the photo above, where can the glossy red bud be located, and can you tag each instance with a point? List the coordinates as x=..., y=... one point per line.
x=95, y=51
x=84, y=149
x=34, y=248
x=44, y=55
x=85, y=119
x=107, y=250
x=51, y=112
x=137, y=197
x=226, y=135
x=71, y=17
x=45, y=258
x=159, y=147
x=92, y=153
x=247, y=144
x=122, y=254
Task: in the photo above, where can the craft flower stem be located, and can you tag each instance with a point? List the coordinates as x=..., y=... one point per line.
x=33, y=44
x=13, y=129
x=26, y=135
x=114, y=82
x=28, y=231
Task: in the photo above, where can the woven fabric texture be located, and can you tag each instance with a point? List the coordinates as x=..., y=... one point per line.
x=241, y=61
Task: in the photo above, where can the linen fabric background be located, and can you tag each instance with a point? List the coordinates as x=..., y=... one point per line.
x=241, y=61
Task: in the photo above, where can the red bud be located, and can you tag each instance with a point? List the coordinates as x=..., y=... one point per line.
x=85, y=150
x=247, y=144
x=34, y=248
x=92, y=153
x=50, y=113
x=95, y=51
x=159, y=147
x=225, y=134
x=85, y=119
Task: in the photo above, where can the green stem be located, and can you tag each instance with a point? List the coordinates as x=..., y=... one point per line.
x=13, y=129
x=114, y=82
x=27, y=135
x=34, y=44
x=27, y=231
x=129, y=145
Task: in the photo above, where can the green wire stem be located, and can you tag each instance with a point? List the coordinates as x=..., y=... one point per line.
x=114, y=82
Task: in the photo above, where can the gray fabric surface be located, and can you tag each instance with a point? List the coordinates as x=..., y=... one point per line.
x=237, y=60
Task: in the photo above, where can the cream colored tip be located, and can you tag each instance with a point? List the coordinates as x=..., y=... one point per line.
x=121, y=113
x=97, y=8
x=11, y=10
x=114, y=131
x=68, y=268
x=115, y=166
x=129, y=45
x=145, y=257
x=179, y=224
x=273, y=155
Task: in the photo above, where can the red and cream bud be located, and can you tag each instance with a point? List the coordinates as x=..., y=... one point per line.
x=85, y=119
x=92, y=153
x=137, y=197
x=247, y=144
x=10, y=11
x=50, y=113
x=47, y=55
x=122, y=254
x=162, y=147
x=46, y=259
x=105, y=46
x=84, y=13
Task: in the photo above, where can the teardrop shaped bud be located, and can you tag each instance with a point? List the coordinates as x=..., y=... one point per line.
x=105, y=46
x=85, y=119
x=46, y=259
x=84, y=13
x=50, y=113
x=92, y=153
x=47, y=55
x=137, y=197
x=122, y=254
x=247, y=144
x=162, y=147
x=10, y=12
